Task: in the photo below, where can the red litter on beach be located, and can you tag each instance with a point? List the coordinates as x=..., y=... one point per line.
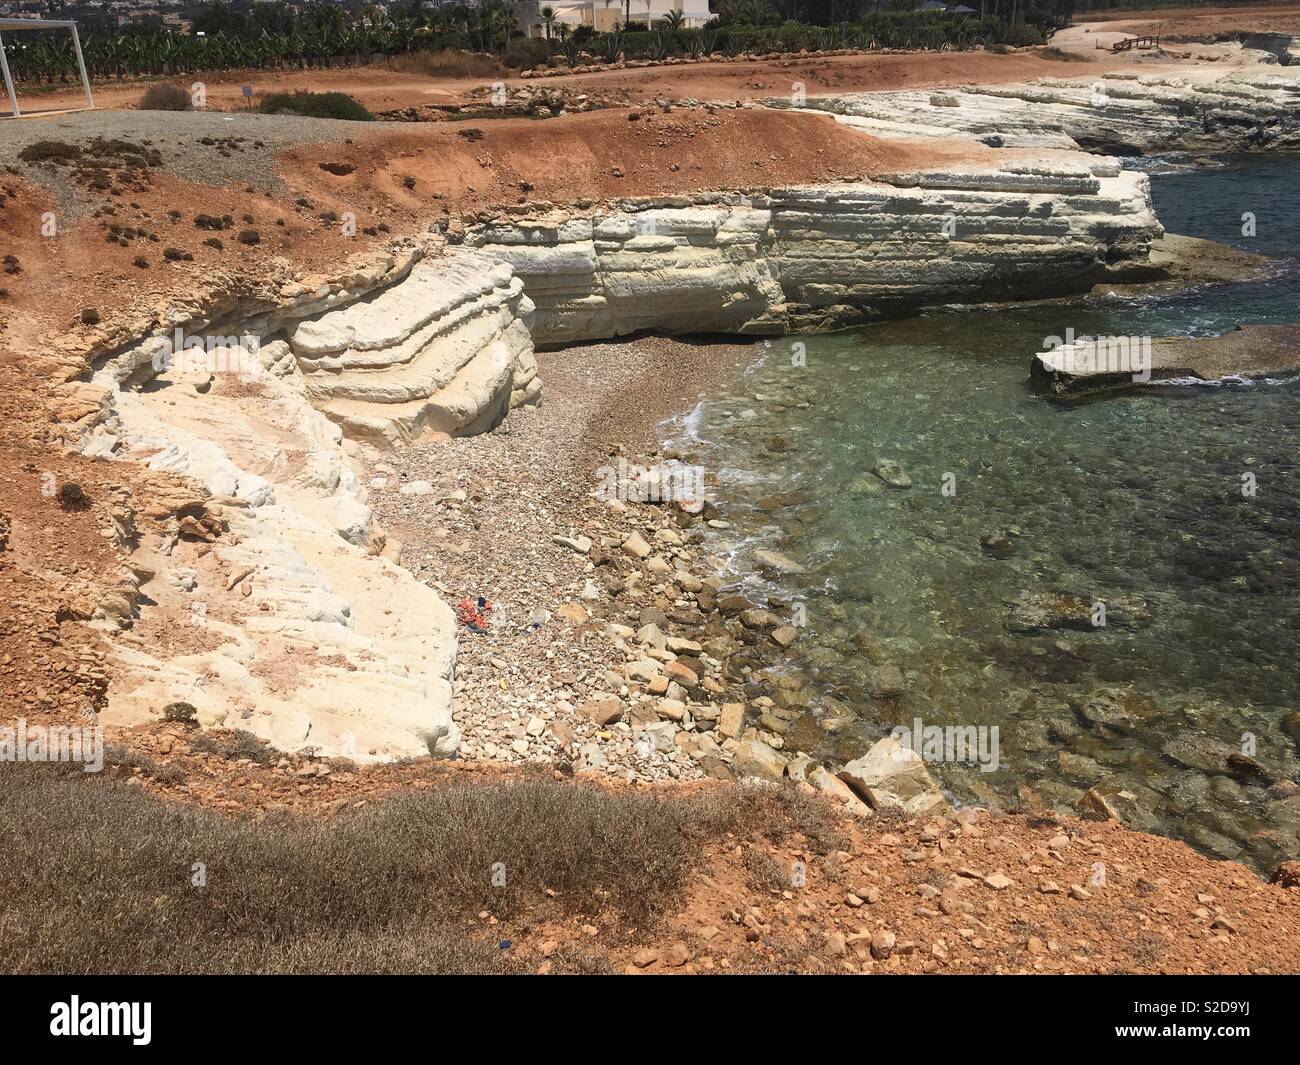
x=473, y=613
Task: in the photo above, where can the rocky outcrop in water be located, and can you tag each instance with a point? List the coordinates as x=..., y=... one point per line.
x=1108, y=364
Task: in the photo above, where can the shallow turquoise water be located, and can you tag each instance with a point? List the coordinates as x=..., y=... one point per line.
x=1135, y=496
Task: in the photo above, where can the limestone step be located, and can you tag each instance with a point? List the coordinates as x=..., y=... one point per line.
x=474, y=400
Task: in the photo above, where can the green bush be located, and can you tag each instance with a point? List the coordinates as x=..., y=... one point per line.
x=185, y=713
x=1022, y=34
x=337, y=105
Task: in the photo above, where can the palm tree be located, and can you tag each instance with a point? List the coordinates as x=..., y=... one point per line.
x=548, y=19
x=729, y=11
x=500, y=19
x=674, y=20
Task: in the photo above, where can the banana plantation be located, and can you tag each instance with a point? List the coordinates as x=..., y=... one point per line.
x=328, y=36
x=331, y=39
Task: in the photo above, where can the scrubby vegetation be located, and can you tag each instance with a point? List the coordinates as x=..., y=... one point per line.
x=166, y=97
x=1062, y=56
x=316, y=105
x=98, y=875
x=236, y=744
x=449, y=63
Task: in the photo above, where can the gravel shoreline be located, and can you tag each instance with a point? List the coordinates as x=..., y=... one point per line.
x=548, y=682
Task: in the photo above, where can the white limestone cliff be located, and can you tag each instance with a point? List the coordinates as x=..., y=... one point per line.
x=1123, y=113
x=819, y=257
x=445, y=350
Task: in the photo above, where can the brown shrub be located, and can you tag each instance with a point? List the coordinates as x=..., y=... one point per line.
x=165, y=97
x=449, y=63
x=235, y=745
x=97, y=873
x=1062, y=56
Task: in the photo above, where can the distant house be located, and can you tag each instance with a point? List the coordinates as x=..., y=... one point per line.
x=604, y=15
x=933, y=5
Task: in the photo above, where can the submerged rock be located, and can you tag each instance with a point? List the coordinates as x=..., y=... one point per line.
x=1211, y=755
x=865, y=486
x=1035, y=612
x=1291, y=726
x=999, y=545
x=1039, y=611
x=778, y=563
x=1106, y=711
x=884, y=681
x=805, y=734
x=892, y=474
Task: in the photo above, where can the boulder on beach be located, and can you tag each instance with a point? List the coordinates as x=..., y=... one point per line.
x=754, y=758
x=891, y=776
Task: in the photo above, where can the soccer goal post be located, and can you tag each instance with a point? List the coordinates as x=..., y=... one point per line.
x=19, y=25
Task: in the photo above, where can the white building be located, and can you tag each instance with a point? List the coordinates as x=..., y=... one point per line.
x=604, y=15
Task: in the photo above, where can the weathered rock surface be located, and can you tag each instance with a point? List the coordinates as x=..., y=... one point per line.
x=1124, y=113
x=891, y=776
x=290, y=626
x=1108, y=364
x=821, y=257
x=446, y=349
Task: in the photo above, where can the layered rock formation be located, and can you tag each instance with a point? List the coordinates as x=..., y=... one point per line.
x=445, y=350
x=808, y=258
x=280, y=615
x=1127, y=114
x=294, y=625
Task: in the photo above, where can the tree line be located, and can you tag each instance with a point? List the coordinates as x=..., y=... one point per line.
x=277, y=36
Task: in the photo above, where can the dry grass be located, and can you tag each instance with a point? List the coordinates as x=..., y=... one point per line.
x=234, y=745
x=1062, y=56
x=96, y=873
x=448, y=63
x=765, y=873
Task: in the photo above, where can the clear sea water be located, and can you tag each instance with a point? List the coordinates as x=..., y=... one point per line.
x=1138, y=495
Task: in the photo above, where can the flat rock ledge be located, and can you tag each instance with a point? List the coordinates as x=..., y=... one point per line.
x=1110, y=364
x=1121, y=113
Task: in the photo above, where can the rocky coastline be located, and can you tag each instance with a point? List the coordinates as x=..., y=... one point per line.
x=323, y=626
